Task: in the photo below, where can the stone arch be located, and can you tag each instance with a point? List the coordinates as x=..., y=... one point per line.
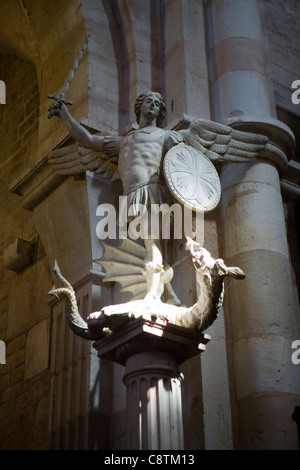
x=143, y=32
x=107, y=65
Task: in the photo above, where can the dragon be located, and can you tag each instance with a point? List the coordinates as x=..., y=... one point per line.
x=125, y=265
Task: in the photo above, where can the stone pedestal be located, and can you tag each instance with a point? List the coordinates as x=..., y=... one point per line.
x=151, y=353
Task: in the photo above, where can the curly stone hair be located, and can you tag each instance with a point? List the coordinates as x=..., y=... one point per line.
x=162, y=111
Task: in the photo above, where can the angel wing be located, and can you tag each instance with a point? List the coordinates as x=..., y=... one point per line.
x=124, y=264
x=75, y=159
x=222, y=143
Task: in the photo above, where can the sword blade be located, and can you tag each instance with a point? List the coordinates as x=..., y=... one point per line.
x=60, y=97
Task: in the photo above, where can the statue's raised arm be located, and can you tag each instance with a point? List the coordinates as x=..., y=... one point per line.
x=92, y=152
x=78, y=132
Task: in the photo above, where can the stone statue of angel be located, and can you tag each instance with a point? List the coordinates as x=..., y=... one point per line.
x=138, y=157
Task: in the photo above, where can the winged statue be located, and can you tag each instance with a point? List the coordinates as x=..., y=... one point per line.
x=217, y=142
x=155, y=166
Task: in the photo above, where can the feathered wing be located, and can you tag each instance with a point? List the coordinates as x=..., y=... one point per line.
x=74, y=159
x=222, y=143
x=124, y=264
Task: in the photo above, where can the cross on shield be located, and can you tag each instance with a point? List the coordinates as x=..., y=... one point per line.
x=191, y=178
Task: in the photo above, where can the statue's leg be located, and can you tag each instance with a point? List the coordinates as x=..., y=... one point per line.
x=154, y=268
x=157, y=271
x=169, y=295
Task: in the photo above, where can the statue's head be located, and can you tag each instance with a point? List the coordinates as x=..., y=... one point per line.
x=139, y=101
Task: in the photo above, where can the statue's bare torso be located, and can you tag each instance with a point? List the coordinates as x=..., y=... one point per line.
x=140, y=157
x=141, y=154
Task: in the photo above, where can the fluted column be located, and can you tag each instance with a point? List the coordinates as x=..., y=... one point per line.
x=264, y=318
x=153, y=391
x=152, y=353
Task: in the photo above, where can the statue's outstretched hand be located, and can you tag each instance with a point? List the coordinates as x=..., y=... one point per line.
x=56, y=109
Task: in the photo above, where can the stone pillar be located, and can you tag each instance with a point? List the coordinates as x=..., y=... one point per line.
x=153, y=396
x=262, y=311
x=151, y=353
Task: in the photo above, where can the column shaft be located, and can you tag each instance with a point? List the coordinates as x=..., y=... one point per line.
x=263, y=310
x=154, y=409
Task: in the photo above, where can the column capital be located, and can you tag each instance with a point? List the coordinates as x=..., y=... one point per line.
x=281, y=139
x=141, y=335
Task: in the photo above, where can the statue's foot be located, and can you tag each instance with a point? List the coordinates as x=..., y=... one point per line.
x=151, y=298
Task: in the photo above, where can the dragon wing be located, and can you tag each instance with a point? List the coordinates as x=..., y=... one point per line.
x=124, y=264
x=222, y=143
x=75, y=159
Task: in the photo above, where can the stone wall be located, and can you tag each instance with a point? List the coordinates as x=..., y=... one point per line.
x=24, y=320
x=282, y=22
x=282, y=19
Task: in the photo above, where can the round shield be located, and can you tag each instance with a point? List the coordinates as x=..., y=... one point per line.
x=192, y=178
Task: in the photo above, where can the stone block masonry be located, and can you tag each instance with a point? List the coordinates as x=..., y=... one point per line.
x=24, y=378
